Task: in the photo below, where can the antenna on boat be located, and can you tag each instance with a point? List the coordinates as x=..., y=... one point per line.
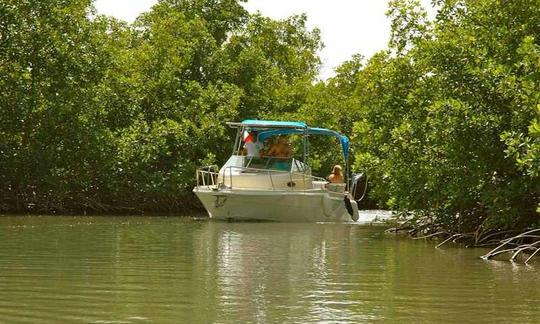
x=306, y=145
x=347, y=170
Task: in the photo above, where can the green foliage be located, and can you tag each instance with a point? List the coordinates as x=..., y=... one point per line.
x=329, y=105
x=99, y=115
x=446, y=125
x=409, y=24
x=274, y=63
x=52, y=62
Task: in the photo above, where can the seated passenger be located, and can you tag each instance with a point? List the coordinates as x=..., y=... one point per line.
x=281, y=149
x=337, y=175
x=267, y=147
x=286, y=148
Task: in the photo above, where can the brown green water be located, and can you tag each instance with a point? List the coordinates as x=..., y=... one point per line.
x=180, y=270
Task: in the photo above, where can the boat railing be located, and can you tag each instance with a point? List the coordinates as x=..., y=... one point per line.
x=210, y=177
x=207, y=176
x=272, y=174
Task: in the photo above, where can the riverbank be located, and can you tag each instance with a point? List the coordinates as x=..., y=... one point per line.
x=134, y=205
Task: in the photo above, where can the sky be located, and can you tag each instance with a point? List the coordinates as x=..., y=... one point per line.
x=347, y=26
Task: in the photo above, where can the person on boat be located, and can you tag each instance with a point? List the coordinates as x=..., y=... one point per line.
x=337, y=175
x=286, y=148
x=268, y=144
x=281, y=149
x=252, y=144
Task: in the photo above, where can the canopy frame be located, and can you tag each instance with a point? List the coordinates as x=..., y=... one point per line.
x=267, y=128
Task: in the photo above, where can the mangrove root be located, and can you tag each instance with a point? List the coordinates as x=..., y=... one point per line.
x=527, y=241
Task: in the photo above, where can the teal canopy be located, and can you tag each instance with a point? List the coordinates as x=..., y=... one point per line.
x=268, y=128
x=255, y=123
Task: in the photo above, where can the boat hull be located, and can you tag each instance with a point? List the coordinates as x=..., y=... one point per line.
x=281, y=206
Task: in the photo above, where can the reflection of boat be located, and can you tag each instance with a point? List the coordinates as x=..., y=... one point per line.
x=274, y=188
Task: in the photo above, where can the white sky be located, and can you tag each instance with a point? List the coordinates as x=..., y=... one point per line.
x=347, y=26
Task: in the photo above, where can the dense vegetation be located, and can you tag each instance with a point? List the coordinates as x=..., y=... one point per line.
x=102, y=116
x=98, y=115
x=445, y=122
x=447, y=125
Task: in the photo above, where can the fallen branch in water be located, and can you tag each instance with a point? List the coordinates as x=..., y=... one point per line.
x=512, y=241
x=517, y=245
x=430, y=235
x=453, y=238
x=398, y=229
x=524, y=243
x=402, y=227
x=492, y=236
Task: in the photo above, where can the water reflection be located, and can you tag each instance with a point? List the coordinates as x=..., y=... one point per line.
x=287, y=267
x=83, y=269
x=302, y=272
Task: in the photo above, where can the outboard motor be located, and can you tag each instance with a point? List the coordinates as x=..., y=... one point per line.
x=358, y=186
x=352, y=208
x=358, y=191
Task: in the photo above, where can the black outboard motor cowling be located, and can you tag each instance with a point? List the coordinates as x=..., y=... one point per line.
x=358, y=186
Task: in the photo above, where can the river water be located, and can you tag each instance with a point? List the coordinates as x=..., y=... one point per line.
x=183, y=270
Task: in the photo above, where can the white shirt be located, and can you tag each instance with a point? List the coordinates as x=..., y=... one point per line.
x=253, y=148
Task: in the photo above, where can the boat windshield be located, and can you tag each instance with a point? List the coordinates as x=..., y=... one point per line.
x=253, y=164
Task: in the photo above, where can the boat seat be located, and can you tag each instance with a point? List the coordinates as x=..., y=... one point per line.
x=319, y=184
x=336, y=187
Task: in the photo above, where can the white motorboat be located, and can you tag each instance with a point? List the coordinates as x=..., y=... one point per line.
x=274, y=188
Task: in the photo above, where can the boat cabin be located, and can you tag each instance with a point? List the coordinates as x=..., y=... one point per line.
x=266, y=172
